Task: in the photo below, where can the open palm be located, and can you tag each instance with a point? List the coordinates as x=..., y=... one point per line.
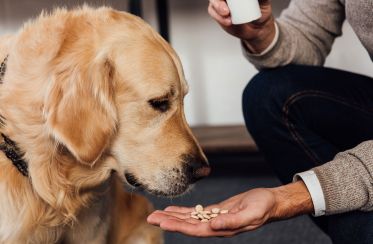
x=247, y=211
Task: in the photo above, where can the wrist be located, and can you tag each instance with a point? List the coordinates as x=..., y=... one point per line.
x=263, y=39
x=291, y=200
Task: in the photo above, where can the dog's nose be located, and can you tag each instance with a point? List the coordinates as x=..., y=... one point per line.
x=197, y=169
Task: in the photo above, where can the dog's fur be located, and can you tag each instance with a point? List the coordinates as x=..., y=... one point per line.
x=89, y=96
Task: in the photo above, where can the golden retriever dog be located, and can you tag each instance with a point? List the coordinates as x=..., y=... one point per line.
x=90, y=99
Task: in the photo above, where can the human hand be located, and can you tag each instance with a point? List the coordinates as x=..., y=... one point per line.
x=247, y=211
x=257, y=34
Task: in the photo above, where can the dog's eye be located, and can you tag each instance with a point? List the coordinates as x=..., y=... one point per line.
x=161, y=105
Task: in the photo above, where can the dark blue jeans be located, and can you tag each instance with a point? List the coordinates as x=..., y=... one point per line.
x=301, y=117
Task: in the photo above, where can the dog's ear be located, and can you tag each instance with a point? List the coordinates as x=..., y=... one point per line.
x=80, y=108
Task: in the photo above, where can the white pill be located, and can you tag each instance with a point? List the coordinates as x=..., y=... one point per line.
x=206, y=216
x=199, y=208
x=214, y=215
x=200, y=216
x=215, y=210
x=194, y=217
x=204, y=220
x=224, y=211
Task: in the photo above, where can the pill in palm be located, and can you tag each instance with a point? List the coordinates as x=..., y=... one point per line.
x=205, y=215
x=215, y=210
x=199, y=208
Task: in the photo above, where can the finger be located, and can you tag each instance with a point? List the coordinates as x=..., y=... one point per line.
x=220, y=7
x=182, y=227
x=224, y=21
x=179, y=209
x=192, y=229
x=158, y=216
x=176, y=214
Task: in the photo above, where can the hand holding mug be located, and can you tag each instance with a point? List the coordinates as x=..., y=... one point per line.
x=258, y=34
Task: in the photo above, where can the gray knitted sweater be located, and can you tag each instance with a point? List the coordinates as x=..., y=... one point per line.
x=307, y=31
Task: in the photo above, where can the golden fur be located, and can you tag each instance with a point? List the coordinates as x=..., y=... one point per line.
x=75, y=99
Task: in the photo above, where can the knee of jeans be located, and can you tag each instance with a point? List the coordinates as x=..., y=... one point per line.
x=263, y=98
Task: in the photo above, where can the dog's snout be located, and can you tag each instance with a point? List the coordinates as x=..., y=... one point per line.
x=197, y=168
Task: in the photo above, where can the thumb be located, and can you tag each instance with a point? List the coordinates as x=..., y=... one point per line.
x=228, y=222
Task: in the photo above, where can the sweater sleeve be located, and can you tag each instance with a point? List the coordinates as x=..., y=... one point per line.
x=307, y=32
x=347, y=181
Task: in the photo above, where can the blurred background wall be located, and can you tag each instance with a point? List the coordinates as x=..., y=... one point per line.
x=213, y=62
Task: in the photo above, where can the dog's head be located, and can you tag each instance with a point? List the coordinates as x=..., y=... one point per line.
x=117, y=91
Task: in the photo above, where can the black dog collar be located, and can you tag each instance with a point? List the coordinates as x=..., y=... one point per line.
x=12, y=152
x=8, y=146
x=3, y=69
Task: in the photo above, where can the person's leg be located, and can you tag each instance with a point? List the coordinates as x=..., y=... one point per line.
x=301, y=116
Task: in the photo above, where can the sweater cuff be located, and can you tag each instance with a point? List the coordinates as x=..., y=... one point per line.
x=314, y=188
x=248, y=54
x=347, y=181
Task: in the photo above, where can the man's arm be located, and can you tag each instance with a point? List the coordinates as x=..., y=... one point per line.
x=307, y=32
x=347, y=181
x=343, y=184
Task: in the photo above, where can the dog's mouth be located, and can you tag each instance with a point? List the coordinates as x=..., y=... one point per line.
x=131, y=180
x=177, y=189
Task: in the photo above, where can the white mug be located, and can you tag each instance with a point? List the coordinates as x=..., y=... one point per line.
x=244, y=11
